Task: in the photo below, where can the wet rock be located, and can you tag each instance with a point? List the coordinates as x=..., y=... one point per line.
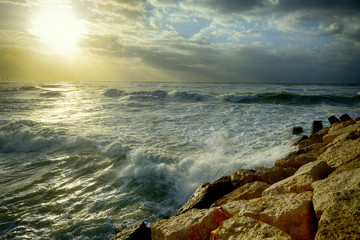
x=242, y=227
x=291, y=213
x=136, y=231
x=316, y=126
x=297, y=130
x=345, y=117
x=246, y=192
x=268, y=175
x=336, y=203
x=301, y=181
x=192, y=224
x=315, y=138
x=301, y=157
x=296, y=141
x=333, y=120
x=208, y=193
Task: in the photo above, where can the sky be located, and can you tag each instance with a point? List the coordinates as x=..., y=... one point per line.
x=289, y=41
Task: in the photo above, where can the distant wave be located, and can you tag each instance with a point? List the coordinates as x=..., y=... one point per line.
x=28, y=88
x=52, y=94
x=113, y=93
x=292, y=99
x=260, y=98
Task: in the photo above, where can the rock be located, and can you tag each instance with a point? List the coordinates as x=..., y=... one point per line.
x=297, y=130
x=301, y=157
x=326, y=190
x=245, y=192
x=316, y=126
x=136, y=231
x=192, y=224
x=339, y=129
x=301, y=181
x=242, y=227
x=345, y=117
x=341, y=152
x=348, y=166
x=208, y=193
x=333, y=120
x=268, y=175
x=291, y=213
x=296, y=141
x=337, y=205
x=315, y=138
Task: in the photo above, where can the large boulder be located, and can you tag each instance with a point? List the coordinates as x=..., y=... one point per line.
x=292, y=213
x=315, y=138
x=207, y=194
x=339, y=129
x=133, y=232
x=246, y=192
x=301, y=181
x=336, y=203
x=192, y=224
x=268, y=175
x=242, y=227
x=343, y=149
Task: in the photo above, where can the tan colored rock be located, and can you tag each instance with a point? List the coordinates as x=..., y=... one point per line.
x=341, y=152
x=268, y=175
x=301, y=181
x=326, y=190
x=246, y=192
x=336, y=203
x=340, y=128
x=242, y=227
x=292, y=213
x=315, y=138
x=347, y=167
x=192, y=224
x=301, y=157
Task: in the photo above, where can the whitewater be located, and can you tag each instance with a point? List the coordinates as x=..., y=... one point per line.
x=78, y=159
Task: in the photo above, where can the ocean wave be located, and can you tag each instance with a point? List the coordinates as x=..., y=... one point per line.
x=29, y=136
x=292, y=99
x=113, y=92
x=190, y=96
x=28, y=88
x=51, y=94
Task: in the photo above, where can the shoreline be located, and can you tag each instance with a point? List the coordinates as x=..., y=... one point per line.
x=310, y=194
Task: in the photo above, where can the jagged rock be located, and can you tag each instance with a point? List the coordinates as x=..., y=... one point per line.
x=333, y=120
x=245, y=192
x=208, y=193
x=348, y=166
x=339, y=129
x=316, y=126
x=345, y=117
x=268, y=175
x=192, y=224
x=292, y=213
x=242, y=227
x=301, y=181
x=301, y=157
x=136, y=231
x=297, y=130
x=342, y=150
x=337, y=205
x=296, y=141
x=315, y=138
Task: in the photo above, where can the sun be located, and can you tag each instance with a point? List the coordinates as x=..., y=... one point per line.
x=58, y=29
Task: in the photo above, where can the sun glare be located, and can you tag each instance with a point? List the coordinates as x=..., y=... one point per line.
x=58, y=29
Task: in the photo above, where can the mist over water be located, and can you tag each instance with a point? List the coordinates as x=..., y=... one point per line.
x=77, y=159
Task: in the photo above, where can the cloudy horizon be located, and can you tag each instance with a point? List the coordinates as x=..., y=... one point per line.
x=172, y=40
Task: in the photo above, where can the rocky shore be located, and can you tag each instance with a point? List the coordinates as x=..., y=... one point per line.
x=313, y=193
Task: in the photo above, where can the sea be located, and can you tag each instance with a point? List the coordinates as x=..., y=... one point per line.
x=79, y=158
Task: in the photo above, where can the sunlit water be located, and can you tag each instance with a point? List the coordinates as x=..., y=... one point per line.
x=77, y=159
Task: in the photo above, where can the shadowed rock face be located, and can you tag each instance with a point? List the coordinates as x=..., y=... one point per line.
x=134, y=232
x=207, y=194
